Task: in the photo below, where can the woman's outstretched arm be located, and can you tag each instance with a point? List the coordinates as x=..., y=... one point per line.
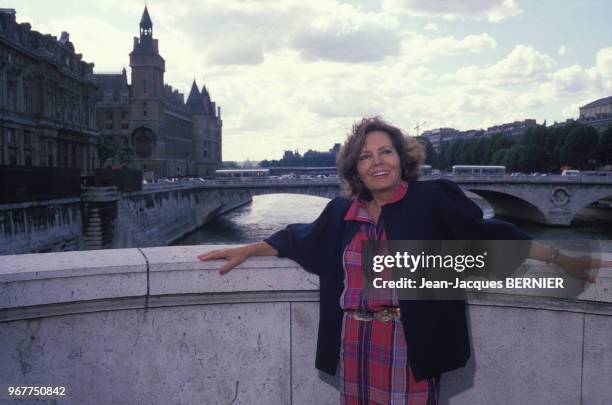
x=237, y=255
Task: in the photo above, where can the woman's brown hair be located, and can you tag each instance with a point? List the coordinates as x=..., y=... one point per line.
x=411, y=153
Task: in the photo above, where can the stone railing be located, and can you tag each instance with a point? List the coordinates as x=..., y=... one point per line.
x=155, y=326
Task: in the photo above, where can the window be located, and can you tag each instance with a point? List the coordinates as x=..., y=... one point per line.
x=27, y=92
x=27, y=148
x=143, y=143
x=49, y=152
x=108, y=125
x=108, y=115
x=125, y=125
x=144, y=85
x=13, y=147
x=11, y=95
x=124, y=115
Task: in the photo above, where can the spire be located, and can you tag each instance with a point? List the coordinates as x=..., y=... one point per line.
x=194, y=101
x=145, y=21
x=194, y=93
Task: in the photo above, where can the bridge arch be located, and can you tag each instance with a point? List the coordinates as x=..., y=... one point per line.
x=510, y=204
x=327, y=191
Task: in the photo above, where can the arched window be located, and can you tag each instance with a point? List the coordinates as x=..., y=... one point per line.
x=143, y=143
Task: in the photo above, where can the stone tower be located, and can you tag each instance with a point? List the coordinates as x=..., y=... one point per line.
x=207, y=126
x=146, y=107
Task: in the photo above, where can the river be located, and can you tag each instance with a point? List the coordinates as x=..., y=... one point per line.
x=269, y=213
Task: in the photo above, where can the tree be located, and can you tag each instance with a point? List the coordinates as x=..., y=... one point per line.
x=498, y=142
x=106, y=150
x=604, y=147
x=534, y=136
x=552, y=146
x=579, y=147
x=511, y=160
x=460, y=155
x=450, y=151
x=431, y=157
x=499, y=157
x=531, y=158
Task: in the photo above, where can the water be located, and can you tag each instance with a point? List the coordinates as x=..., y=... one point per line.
x=270, y=213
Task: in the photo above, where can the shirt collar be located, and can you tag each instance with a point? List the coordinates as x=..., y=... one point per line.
x=358, y=209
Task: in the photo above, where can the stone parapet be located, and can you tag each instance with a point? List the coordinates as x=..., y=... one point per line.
x=154, y=325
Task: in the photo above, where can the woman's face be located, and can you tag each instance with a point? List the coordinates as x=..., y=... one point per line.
x=379, y=163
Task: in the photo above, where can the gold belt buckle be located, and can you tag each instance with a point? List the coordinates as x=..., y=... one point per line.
x=360, y=316
x=384, y=315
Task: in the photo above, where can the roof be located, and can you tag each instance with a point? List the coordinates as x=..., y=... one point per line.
x=598, y=103
x=116, y=83
x=194, y=101
x=145, y=21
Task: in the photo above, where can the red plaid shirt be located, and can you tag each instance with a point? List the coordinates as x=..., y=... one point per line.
x=374, y=364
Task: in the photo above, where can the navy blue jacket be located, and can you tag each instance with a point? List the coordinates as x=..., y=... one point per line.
x=436, y=331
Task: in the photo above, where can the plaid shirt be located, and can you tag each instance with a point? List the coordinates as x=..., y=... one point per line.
x=374, y=364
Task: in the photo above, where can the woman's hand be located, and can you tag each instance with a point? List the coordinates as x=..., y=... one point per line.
x=237, y=255
x=234, y=257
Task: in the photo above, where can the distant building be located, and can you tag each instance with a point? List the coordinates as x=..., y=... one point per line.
x=598, y=114
x=164, y=134
x=437, y=137
x=514, y=129
x=46, y=100
x=440, y=136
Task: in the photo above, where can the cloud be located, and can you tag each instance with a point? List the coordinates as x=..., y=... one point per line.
x=431, y=27
x=524, y=64
x=562, y=50
x=491, y=10
x=423, y=49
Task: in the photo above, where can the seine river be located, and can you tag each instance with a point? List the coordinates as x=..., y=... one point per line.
x=269, y=213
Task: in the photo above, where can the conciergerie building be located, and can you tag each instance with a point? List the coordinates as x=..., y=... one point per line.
x=164, y=134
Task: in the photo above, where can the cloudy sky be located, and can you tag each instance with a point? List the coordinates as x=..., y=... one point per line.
x=296, y=75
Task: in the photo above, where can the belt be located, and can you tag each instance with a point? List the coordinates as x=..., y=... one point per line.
x=383, y=315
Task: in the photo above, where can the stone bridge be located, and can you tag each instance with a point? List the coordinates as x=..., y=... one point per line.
x=552, y=200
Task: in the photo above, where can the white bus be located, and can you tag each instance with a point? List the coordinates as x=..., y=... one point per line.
x=475, y=170
x=242, y=173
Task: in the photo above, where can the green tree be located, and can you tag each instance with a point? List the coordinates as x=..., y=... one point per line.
x=450, y=151
x=531, y=158
x=552, y=146
x=511, y=160
x=604, y=147
x=579, y=147
x=460, y=156
x=535, y=136
x=499, y=157
x=431, y=157
x=498, y=142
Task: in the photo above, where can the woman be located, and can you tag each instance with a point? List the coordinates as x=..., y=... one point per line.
x=390, y=351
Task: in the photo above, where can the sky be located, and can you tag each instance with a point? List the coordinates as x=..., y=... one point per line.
x=295, y=75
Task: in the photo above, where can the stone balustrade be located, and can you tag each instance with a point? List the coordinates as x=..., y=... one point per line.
x=155, y=326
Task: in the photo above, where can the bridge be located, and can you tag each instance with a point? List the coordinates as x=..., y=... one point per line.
x=103, y=218
x=552, y=200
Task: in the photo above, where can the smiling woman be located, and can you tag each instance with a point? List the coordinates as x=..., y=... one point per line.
x=386, y=350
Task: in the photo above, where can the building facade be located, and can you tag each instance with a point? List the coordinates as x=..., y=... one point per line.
x=46, y=100
x=150, y=123
x=598, y=114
